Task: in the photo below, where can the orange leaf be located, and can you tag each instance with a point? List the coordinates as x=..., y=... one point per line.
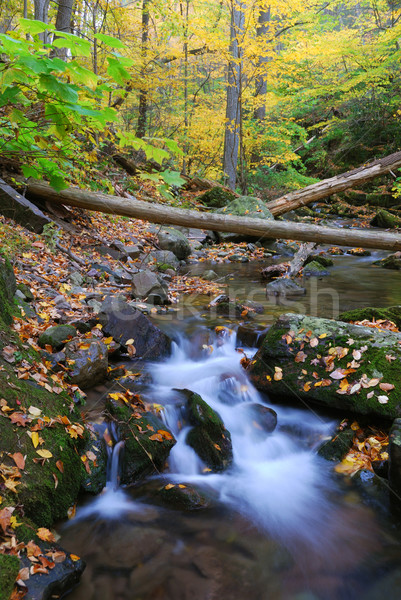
x=18, y=459
x=45, y=535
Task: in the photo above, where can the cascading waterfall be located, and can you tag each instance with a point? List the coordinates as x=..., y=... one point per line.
x=278, y=482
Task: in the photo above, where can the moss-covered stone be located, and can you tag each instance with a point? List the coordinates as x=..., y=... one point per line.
x=338, y=446
x=87, y=362
x=175, y=241
x=393, y=313
x=9, y=567
x=248, y=206
x=315, y=269
x=208, y=436
x=216, y=197
x=141, y=455
x=341, y=368
x=393, y=261
x=324, y=261
x=385, y=220
x=57, y=336
x=7, y=289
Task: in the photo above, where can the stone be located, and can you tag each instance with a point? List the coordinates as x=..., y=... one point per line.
x=250, y=335
x=95, y=481
x=55, y=360
x=57, y=581
x=247, y=206
x=392, y=313
x=338, y=445
x=284, y=288
x=76, y=278
x=385, y=220
x=141, y=455
x=124, y=322
x=324, y=261
x=26, y=290
x=216, y=197
x=146, y=284
x=176, y=496
x=209, y=275
x=393, y=261
x=9, y=568
x=174, y=241
x=258, y=420
x=94, y=305
x=238, y=258
x=374, y=491
x=165, y=259
x=87, y=362
x=208, y=436
x=394, y=451
x=315, y=269
x=324, y=349
x=57, y=336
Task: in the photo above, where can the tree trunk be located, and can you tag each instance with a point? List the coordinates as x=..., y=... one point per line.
x=143, y=92
x=261, y=228
x=336, y=184
x=234, y=85
x=41, y=9
x=63, y=23
x=261, y=82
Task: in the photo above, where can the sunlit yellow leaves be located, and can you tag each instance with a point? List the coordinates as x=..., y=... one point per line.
x=44, y=453
x=45, y=535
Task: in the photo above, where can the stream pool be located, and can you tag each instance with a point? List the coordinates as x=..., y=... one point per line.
x=282, y=526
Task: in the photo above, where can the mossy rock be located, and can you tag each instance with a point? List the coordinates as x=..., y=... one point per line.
x=208, y=436
x=324, y=261
x=141, y=455
x=338, y=446
x=385, y=220
x=315, y=269
x=308, y=373
x=7, y=290
x=216, y=197
x=393, y=261
x=247, y=206
x=95, y=481
x=393, y=313
x=9, y=568
x=57, y=336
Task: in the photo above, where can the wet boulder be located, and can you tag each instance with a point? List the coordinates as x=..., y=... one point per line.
x=7, y=289
x=57, y=336
x=208, y=436
x=95, y=463
x=146, y=284
x=124, y=322
x=247, y=206
x=174, y=241
x=393, y=261
x=338, y=445
x=331, y=363
x=315, y=269
x=147, y=441
x=284, y=288
x=394, y=451
x=176, y=496
x=87, y=361
x=258, y=420
x=165, y=259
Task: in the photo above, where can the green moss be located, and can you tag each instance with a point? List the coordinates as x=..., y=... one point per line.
x=9, y=568
x=393, y=313
x=385, y=220
x=216, y=197
x=301, y=376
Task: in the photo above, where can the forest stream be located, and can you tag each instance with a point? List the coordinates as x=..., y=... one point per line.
x=280, y=524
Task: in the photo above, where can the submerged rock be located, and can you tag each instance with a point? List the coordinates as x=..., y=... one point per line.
x=258, y=420
x=123, y=322
x=208, y=436
x=176, y=496
x=175, y=241
x=284, y=288
x=147, y=441
x=57, y=336
x=87, y=360
x=332, y=363
x=394, y=451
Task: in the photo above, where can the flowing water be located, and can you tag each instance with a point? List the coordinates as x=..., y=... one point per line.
x=282, y=526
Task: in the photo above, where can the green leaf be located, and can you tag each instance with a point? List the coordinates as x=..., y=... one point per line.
x=109, y=40
x=14, y=75
x=36, y=65
x=58, y=183
x=82, y=75
x=34, y=27
x=172, y=178
x=29, y=171
x=158, y=154
x=117, y=71
x=77, y=45
x=172, y=145
x=62, y=90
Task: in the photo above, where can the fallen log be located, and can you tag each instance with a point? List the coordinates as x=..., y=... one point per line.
x=19, y=209
x=336, y=184
x=289, y=269
x=260, y=228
